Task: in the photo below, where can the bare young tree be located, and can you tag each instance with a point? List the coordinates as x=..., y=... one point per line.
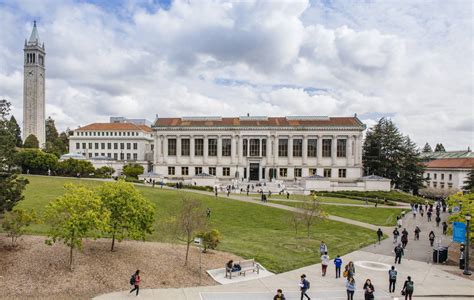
x=295, y=219
x=312, y=212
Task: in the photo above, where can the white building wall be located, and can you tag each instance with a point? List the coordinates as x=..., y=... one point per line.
x=440, y=178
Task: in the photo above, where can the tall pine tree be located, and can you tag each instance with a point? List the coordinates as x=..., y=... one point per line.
x=411, y=176
x=469, y=182
x=16, y=131
x=54, y=142
x=427, y=148
x=439, y=148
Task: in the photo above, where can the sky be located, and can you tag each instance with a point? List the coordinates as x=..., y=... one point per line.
x=409, y=60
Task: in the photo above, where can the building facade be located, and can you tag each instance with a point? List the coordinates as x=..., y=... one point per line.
x=259, y=148
x=448, y=173
x=34, y=88
x=113, y=144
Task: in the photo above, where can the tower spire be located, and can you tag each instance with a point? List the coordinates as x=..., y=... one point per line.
x=34, y=37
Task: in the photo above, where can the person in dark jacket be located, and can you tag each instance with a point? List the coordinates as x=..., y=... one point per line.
x=338, y=264
x=398, y=253
x=408, y=288
x=392, y=279
x=136, y=282
x=304, y=286
x=368, y=290
x=431, y=237
x=445, y=228
x=279, y=295
x=379, y=235
x=438, y=220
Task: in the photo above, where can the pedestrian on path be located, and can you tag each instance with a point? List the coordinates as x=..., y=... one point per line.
x=445, y=228
x=404, y=238
x=350, y=288
x=438, y=220
x=338, y=264
x=349, y=270
x=279, y=295
x=392, y=279
x=368, y=290
x=431, y=237
x=396, y=234
x=421, y=211
x=428, y=214
x=135, y=281
x=398, y=253
x=324, y=263
x=379, y=235
x=408, y=288
x=399, y=222
x=417, y=233
x=323, y=248
x=304, y=286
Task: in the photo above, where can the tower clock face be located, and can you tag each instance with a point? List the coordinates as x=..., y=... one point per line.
x=30, y=73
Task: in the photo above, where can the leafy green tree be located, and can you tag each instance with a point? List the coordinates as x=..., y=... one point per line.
x=75, y=167
x=74, y=216
x=31, y=141
x=427, y=148
x=54, y=144
x=131, y=214
x=16, y=131
x=411, y=172
x=439, y=148
x=133, y=170
x=64, y=138
x=14, y=223
x=11, y=186
x=104, y=172
x=469, y=182
x=210, y=239
x=466, y=204
x=36, y=161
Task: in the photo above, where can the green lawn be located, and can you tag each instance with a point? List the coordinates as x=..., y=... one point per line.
x=376, y=216
x=323, y=199
x=249, y=230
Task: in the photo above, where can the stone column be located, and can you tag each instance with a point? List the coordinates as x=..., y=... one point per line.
x=260, y=147
x=350, y=157
x=269, y=150
x=206, y=149
x=333, y=149
x=305, y=150
x=178, y=149
x=275, y=150
x=191, y=150
x=239, y=149
x=158, y=150
x=219, y=149
x=233, y=150
x=290, y=149
x=319, y=152
x=165, y=149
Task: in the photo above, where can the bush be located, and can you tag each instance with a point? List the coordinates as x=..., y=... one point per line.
x=132, y=170
x=372, y=195
x=104, y=172
x=35, y=161
x=75, y=167
x=210, y=239
x=15, y=222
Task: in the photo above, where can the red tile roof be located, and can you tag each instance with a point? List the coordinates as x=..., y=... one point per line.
x=462, y=163
x=115, y=127
x=264, y=122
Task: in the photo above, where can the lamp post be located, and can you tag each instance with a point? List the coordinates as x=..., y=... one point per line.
x=466, y=257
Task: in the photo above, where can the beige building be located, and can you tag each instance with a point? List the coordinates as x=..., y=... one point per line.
x=33, y=88
x=259, y=148
x=447, y=173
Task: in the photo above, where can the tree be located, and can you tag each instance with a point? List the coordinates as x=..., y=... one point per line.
x=131, y=214
x=210, y=239
x=295, y=219
x=133, y=170
x=189, y=221
x=16, y=221
x=313, y=212
x=11, y=186
x=469, y=182
x=36, y=161
x=31, y=142
x=439, y=148
x=104, y=172
x=389, y=154
x=465, y=202
x=427, y=148
x=15, y=131
x=75, y=215
x=64, y=137
x=54, y=144
x=75, y=167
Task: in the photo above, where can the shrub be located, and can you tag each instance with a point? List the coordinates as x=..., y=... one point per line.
x=372, y=195
x=36, y=161
x=75, y=167
x=15, y=222
x=104, y=172
x=210, y=239
x=132, y=170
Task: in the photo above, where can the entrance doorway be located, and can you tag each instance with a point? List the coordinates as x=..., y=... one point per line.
x=254, y=171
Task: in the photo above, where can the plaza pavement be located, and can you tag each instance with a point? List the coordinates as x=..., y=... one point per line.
x=431, y=281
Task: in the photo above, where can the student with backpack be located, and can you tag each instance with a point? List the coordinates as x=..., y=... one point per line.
x=338, y=264
x=398, y=253
x=304, y=287
x=408, y=288
x=379, y=235
x=135, y=281
x=279, y=295
x=392, y=279
x=431, y=237
x=324, y=263
x=350, y=288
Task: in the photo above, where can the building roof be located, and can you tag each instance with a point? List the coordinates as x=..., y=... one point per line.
x=461, y=163
x=374, y=177
x=448, y=154
x=114, y=127
x=260, y=121
x=34, y=37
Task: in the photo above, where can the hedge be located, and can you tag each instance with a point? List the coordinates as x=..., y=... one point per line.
x=371, y=196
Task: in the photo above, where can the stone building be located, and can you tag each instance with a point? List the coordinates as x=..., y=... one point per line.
x=447, y=173
x=253, y=148
x=33, y=88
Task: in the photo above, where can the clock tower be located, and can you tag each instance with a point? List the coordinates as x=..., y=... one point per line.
x=33, y=88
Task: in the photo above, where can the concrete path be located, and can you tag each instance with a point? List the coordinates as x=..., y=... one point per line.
x=401, y=206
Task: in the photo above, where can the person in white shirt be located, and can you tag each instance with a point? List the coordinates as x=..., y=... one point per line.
x=324, y=262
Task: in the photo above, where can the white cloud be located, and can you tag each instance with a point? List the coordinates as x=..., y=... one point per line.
x=409, y=60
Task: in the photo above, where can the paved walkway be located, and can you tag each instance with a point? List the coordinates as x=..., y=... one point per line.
x=399, y=206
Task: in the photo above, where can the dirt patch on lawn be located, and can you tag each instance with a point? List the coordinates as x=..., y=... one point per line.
x=35, y=270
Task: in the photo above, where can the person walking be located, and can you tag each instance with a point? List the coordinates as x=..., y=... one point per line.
x=431, y=237
x=324, y=263
x=392, y=279
x=417, y=233
x=445, y=228
x=135, y=281
x=398, y=253
x=396, y=234
x=399, y=222
x=279, y=295
x=428, y=214
x=350, y=269
x=408, y=288
x=323, y=248
x=421, y=211
x=350, y=288
x=338, y=264
x=379, y=235
x=438, y=220
x=404, y=240
x=368, y=290
x=304, y=286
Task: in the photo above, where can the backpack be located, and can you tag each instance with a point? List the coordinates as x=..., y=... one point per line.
x=409, y=287
x=398, y=250
x=132, y=280
x=393, y=274
x=307, y=284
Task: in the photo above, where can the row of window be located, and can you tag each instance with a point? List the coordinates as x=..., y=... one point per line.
x=441, y=185
x=435, y=176
x=89, y=146
x=31, y=59
x=283, y=172
x=253, y=147
x=116, y=156
x=107, y=133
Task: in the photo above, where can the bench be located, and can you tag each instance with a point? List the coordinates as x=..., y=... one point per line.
x=245, y=266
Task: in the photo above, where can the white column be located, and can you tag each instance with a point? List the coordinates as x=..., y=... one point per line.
x=178, y=149
x=260, y=147
x=290, y=149
x=350, y=157
x=275, y=150
x=219, y=149
x=319, y=150
x=191, y=150
x=165, y=149
x=269, y=150
x=239, y=149
x=233, y=150
x=206, y=150
x=333, y=149
x=305, y=150
x=156, y=150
